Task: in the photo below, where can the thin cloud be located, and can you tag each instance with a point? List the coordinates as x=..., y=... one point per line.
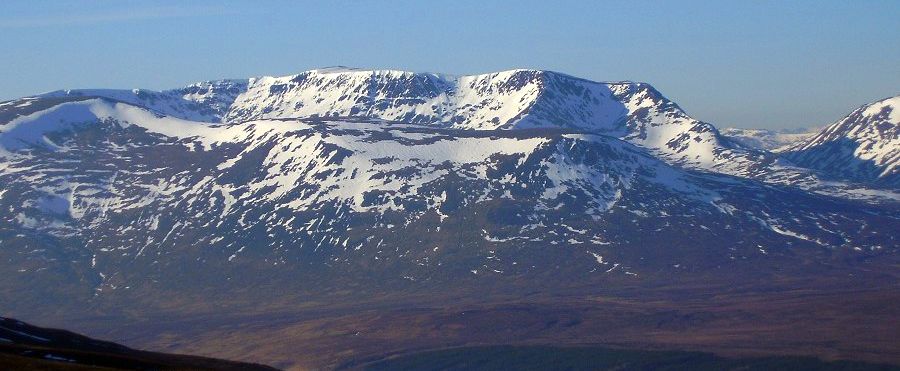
x=121, y=15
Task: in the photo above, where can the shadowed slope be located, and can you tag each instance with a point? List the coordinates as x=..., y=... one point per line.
x=23, y=346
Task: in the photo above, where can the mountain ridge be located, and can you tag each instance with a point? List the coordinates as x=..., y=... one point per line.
x=517, y=98
x=864, y=145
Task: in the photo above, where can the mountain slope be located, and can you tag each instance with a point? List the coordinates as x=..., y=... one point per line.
x=863, y=146
x=105, y=199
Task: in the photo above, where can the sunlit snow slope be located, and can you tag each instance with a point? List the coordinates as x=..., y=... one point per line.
x=864, y=145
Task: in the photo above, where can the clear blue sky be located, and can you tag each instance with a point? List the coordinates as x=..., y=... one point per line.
x=732, y=63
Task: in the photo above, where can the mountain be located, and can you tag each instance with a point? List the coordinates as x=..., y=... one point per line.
x=508, y=100
x=207, y=101
x=864, y=146
x=505, y=100
x=330, y=188
x=769, y=140
x=23, y=346
x=107, y=196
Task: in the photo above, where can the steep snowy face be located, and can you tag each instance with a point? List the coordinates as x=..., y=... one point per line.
x=215, y=97
x=390, y=95
x=487, y=101
x=502, y=100
x=864, y=146
x=513, y=99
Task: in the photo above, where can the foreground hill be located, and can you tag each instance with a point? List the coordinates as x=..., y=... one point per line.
x=23, y=346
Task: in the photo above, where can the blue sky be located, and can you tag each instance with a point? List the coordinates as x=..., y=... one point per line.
x=733, y=63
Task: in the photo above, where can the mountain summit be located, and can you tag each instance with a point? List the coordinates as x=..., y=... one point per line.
x=863, y=146
x=513, y=99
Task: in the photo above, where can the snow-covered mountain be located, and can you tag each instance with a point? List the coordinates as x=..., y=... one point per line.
x=863, y=146
x=507, y=100
x=340, y=176
x=767, y=139
x=207, y=101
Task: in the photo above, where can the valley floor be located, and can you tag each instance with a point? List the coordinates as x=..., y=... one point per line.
x=859, y=324
x=592, y=358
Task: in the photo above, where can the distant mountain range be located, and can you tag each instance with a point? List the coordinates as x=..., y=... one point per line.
x=343, y=179
x=767, y=139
